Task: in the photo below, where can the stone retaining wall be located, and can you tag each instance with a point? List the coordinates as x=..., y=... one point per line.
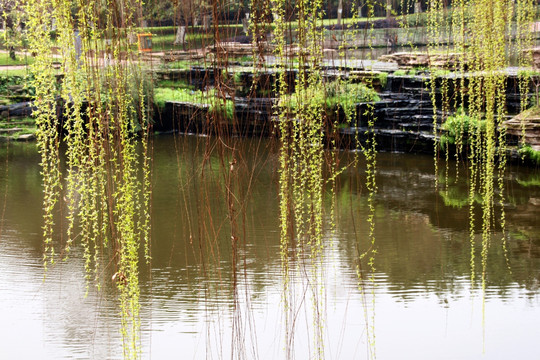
x=404, y=116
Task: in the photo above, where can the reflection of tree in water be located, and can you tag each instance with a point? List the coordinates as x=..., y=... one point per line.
x=422, y=242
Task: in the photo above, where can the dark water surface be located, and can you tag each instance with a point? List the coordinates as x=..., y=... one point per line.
x=202, y=300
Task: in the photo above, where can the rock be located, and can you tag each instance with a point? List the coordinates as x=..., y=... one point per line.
x=16, y=89
x=534, y=201
x=410, y=60
x=177, y=55
x=525, y=125
x=535, y=52
x=9, y=131
x=331, y=44
x=239, y=49
x=21, y=109
x=26, y=137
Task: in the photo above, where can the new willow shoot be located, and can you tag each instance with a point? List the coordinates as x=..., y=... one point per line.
x=106, y=189
x=481, y=29
x=100, y=96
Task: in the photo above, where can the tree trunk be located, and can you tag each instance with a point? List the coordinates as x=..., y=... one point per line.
x=245, y=24
x=180, y=35
x=339, y=12
x=206, y=22
x=77, y=45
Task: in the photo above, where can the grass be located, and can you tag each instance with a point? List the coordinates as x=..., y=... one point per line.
x=188, y=64
x=411, y=19
x=419, y=71
x=340, y=94
x=209, y=98
x=15, y=72
x=182, y=64
x=196, y=37
x=406, y=72
x=171, y=30
x=528, y=72
x=234, y=75
x=165, y=41
x=163, y=37
x=334, y=94
x=5, y=60
x=173, y=84
x=531, y=112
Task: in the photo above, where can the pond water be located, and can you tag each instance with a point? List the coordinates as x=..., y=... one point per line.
x=199, y=299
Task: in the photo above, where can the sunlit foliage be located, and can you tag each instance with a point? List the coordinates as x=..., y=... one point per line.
x=98, y=95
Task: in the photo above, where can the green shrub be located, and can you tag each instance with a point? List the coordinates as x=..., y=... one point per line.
x=405, y=72
x=460, y=126
x=181, y=64
x=8, y=80
x=383, y=78
x=333, y=95
x=528, y=153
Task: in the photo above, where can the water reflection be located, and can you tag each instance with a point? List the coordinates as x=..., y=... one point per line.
x=197, y=290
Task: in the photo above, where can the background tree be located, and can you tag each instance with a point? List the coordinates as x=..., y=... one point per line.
x=11, y=23
x=188, y=12
x=160, y=12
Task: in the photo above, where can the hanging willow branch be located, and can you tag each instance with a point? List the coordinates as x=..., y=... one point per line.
x=481, y=29
x=101, y=100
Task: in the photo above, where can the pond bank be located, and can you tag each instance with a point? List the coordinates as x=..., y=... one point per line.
x=405, y=113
